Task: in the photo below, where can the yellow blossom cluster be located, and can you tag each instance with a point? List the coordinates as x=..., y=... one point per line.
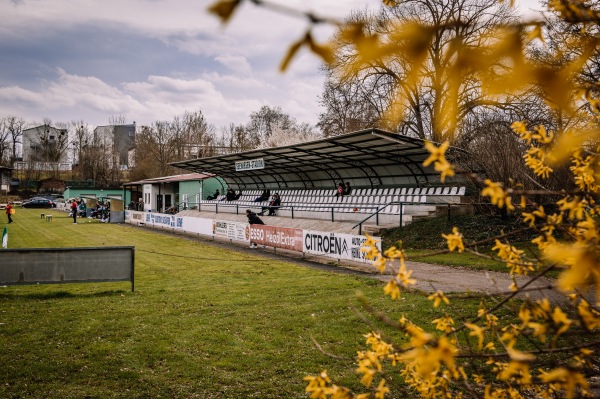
x=537, y=158
x=438, y=158
x=498, y=196
x=586, y=171
x=455, y=240
x=513, y=258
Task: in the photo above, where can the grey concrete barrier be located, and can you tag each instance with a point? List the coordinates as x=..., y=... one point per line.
x=66, y=265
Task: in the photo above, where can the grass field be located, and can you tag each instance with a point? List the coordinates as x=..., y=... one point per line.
x=423, y=237
x=203, y=322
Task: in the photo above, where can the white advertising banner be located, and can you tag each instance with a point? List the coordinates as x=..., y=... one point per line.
x=194, y=225
x=232, y=230
x=160, y=219
x=336, y=245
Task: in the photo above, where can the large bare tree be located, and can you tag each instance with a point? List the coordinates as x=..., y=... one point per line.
x=264, y=122
x=432, y=106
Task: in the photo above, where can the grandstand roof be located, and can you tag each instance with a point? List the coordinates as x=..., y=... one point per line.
x=171, y=179
x=367, y=158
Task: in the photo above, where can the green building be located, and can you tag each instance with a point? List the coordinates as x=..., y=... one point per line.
x=181, y=191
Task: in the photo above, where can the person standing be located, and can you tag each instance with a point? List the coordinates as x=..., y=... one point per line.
x=253, y=219
x=74, y=210
x=9, y=212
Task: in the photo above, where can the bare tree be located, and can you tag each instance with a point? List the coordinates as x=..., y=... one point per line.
x=194, y=136
x=347, y=108
x=15, y=126
x=431, y=107
x=236, y=138
x=156, y=146
x=81, y=136
x=298, y=134
x=4, y=142
x=264, y=121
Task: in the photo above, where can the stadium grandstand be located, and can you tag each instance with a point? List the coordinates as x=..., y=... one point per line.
x=390, y=185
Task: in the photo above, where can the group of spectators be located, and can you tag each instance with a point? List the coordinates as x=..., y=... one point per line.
x=100, y=211
x=275, y=203
x=139, y=206
x=230, y=195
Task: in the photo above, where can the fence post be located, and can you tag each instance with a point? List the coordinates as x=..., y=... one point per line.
x=401, y=210
x=292, y=212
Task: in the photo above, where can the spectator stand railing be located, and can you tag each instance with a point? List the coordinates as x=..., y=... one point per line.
x=402, y=205
x=374, y=203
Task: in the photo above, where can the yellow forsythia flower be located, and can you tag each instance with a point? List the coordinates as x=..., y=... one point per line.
x=392, y=289
x=438, y=158
x=454, y=240
x=497, y=195
x=478, y=332
x=437, y=298
x=589, y=316
x=564, y=378
x=381, y=390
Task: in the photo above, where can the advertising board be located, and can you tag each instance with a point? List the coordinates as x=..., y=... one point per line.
x=232, y=230
x=277, y=237
x=336, y=245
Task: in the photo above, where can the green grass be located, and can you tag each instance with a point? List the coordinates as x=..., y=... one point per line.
x=424, y=237
x=203, y=322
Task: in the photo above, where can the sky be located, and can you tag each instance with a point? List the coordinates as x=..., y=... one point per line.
x=152, y=60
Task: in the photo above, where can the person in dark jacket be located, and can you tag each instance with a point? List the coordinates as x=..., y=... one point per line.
x=264, y=196
x=348, y=189
x=229, y=195
x=253, y=217
x=214, y=196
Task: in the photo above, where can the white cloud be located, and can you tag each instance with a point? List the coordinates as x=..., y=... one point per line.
x=235, y=63
x=175, y=56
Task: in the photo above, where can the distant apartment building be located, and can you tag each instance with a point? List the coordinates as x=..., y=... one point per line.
x=119, y=140
x=45, y=148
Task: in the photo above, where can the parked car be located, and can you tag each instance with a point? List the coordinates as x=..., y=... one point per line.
x=32, y=198
x=38, y=202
